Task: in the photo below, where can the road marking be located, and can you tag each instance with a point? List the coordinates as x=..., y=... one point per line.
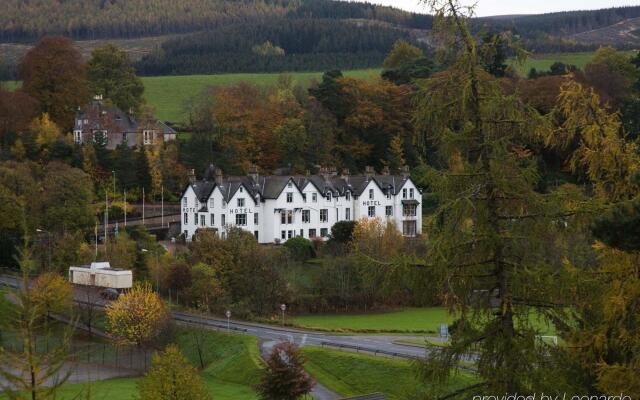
x=304, y=339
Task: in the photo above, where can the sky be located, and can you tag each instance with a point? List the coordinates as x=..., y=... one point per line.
x=504, y=7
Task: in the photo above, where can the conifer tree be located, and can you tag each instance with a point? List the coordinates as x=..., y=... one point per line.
x=494, y=240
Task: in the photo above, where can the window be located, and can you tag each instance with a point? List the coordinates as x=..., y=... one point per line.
x=314, y=197
x=404, y=193
x=222, y=220
x=388, y=211
x=289, y=197
x=289, y=234
x=409, y=210
x=306, y=216
x=77, y=137
x=347, y=214
x=324, y=215
x=241, y=219
x=186, y=218
x=312, y=233
x=328, y=196
x=304, y=197
x=290, y=184
x=255, y=233
x=240, y=202
x=283, y=235
x=411, y=193
x=255, y=218
x=409, y=228
x=372, y=211
x=348, y=195
x=202, y=220
x=184, y=202
x=241, y=189
x=324, y=232
x=289, y=216
x=389, y=193
x=147, y=136
x=212, y=219
x=79, y=123
x=370, y=194
x=195, y=218
x=211, y=203
x=283, y=218
x=301, y=233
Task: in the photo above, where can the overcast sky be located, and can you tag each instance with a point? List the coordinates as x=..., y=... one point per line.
x=503, y=7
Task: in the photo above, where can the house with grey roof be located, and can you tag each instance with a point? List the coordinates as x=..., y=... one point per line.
x=105, y=123
x=276, y=208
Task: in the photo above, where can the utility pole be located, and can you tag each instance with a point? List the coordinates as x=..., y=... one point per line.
x=106, y=218
x=143, y=205
x=125, y=208
x=162, y=206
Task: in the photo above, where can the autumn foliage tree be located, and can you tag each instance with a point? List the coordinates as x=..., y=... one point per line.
x=285, y=377
x=171, y=377
x=137, y=317
x=53, y=73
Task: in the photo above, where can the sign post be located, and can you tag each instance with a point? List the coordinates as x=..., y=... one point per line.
x=283, y=307
x=444, y=331
x=228, y=314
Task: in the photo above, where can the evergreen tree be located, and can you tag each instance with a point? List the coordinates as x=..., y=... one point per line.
x=143, y=172
x=110, y=74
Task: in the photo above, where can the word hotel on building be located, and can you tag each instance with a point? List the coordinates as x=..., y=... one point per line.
x=276, y=208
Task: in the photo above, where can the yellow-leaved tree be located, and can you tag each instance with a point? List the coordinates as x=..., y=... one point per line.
x=137, y=317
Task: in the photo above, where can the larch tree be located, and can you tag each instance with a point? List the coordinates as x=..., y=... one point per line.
x=401, y=54
x=494, y=240
x=32, y=370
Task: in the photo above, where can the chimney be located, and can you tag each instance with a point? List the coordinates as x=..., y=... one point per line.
x=385, y=170
x=369, y=171
x=344, y=174
x=324, y=172
x=252, y=172
x=192, y=176
x=405, y=171
x=218, y=176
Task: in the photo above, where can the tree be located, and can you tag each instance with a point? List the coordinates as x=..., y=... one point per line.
x=285, y=377
x=52, y=292
x=137, y=317
x=53, y=73
x=12, y=225
x=494, y=53
x=301, y=249
x=67, y=198
x=171, y=377
x=17, y=110
x=342, y=232
x=109, y=73
x=492, y=241
x=29, y=372
x=401, y=54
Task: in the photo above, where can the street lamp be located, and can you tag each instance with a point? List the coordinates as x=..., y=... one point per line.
x=114, y=182
x=157, y=270
x=228, y=314
x=283, y=307
x=39, y=230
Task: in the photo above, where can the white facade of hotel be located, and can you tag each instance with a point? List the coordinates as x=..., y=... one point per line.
x=299, y=205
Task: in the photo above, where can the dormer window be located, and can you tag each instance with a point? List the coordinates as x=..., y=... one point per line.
x=147, y=136
x=241, y=189
x=348, y=195
x=328, y=196
x=211, y=203
x=404, y=193
x=411, y=193
x=290, y=184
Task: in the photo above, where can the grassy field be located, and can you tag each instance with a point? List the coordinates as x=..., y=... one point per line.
x=422, y=320
x=542, y=62
x=168, y=94
x=352, y=374
x=232, y=369
x=410, y=320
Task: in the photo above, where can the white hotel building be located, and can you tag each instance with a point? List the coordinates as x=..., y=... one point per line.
x=276, y=208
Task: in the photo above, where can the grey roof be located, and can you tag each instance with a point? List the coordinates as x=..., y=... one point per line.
x=110, y=117
x=271, y=186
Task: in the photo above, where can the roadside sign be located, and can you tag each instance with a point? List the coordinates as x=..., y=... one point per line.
x=283, y=307
x=444, y=330
x=228, y=314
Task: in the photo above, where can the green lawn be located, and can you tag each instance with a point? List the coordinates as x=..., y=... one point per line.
x=233, y=368
x=418, y=320
x=168, y=94
x=352, y=374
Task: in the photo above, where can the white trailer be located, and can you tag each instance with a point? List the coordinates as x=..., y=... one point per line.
x=101, y=274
